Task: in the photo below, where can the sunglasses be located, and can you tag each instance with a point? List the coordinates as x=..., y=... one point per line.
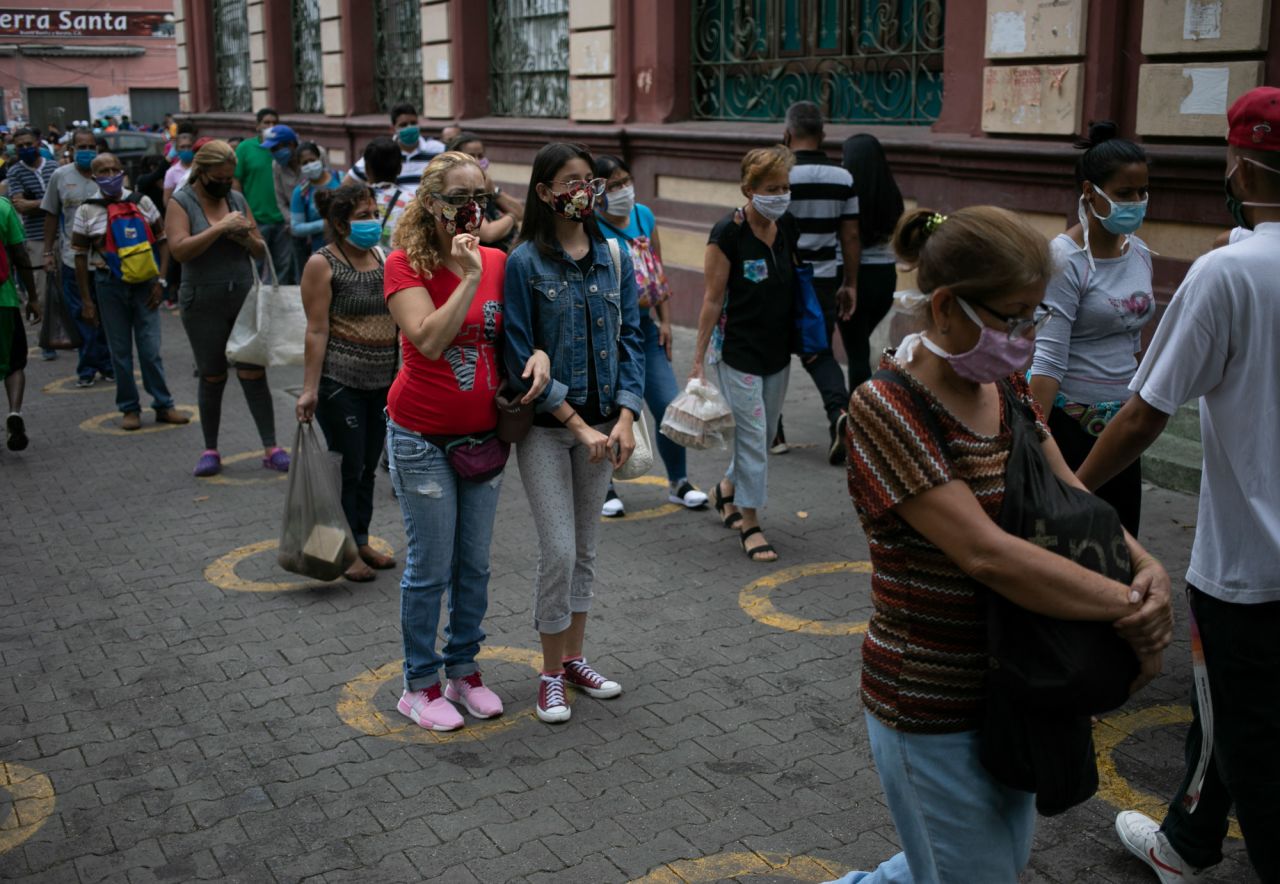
x=458, y=200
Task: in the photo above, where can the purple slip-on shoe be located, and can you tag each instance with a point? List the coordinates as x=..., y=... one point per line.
x=278, y=460
x=209, y=464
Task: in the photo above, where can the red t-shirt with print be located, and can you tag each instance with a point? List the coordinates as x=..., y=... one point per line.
x=452, y=395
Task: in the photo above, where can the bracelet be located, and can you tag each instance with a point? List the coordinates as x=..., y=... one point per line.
x=565, y=422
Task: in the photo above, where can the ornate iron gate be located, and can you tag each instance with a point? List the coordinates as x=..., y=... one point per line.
x=397, y=39
x=308, y=70
x=231, y=45
x=529, y=58
x=864, y=61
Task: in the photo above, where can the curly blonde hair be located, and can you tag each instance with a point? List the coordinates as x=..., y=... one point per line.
x=416, y=230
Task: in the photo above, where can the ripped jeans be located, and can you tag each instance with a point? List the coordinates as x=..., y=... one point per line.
x=449, y=525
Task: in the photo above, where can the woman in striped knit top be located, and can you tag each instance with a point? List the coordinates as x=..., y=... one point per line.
x=928, y=488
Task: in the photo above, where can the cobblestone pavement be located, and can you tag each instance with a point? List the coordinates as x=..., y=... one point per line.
x=156, y=727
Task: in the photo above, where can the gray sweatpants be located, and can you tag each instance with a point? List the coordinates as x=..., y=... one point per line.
x=565, y=492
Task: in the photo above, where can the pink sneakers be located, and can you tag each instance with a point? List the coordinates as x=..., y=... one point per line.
x=429, y=709
x=583, y=677
x=471, y=692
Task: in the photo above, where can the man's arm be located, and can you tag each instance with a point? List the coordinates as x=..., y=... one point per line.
x=50, y=240
x=1129, y=433
x=18, y=258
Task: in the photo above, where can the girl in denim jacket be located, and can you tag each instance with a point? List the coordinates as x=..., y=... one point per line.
x=571, y=294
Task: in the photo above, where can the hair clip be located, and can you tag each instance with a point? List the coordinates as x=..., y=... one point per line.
x=933, y=221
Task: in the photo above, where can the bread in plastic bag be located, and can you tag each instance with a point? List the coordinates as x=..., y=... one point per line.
x=315, y=540
x=698, y=418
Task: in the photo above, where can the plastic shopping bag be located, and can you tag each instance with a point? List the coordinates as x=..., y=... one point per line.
x=698, y=418
x=271, y=328
x=57, y=329
x=641, y=460
x=315, y=540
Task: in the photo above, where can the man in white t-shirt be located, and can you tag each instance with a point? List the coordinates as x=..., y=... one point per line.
x=1220, y=341
x=129, y=282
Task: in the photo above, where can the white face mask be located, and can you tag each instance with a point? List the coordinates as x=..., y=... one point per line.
x=772, y=207
x=313, y=170
x=621, y=201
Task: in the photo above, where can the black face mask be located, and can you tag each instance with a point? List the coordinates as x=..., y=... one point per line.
x=217, y=189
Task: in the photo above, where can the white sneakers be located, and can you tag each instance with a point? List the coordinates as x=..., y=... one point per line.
x=613, y=505
x=687, y=496
x=1142, y=836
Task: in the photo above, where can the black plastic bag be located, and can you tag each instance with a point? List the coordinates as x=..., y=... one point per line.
x=315, y=540
x=58, y=330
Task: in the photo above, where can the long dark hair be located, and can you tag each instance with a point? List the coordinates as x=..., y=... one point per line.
x=879, y=200
x=1105, y=154
x=539, y=226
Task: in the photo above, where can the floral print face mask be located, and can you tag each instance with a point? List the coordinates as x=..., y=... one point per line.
x=465, y=218
x=574, y=204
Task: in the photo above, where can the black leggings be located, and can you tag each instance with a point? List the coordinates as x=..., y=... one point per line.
x=1124, y=492
x=876, y=283
x=355, y=427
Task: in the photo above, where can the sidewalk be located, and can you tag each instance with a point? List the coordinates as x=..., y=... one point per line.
x=157, y=727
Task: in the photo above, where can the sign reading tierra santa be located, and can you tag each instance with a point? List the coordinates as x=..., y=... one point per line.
x=84, y=23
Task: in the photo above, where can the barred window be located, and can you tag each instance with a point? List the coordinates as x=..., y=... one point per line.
x=861, y=61
x=231, y=43
x=529, y=58
x=397, y=37
x=308, y=72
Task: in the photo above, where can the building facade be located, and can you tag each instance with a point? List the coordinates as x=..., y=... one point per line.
x=66, y=62
x=976, y=101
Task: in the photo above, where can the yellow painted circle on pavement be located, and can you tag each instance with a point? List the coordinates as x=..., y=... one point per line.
x=665, y=509
x=741, y=864
x=221, y=572
x=756, y=602
x=267, y=477
x=357, y=708
x=32, y=797
x=67, y=385
x=1113, y=788
x=109, y=424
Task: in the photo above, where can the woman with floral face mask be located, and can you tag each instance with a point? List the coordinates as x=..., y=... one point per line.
x=931, y=440
x=445, y=292
x=306, y=222
x=573, y=294
x=1099, y=300
x=747, y=307
x=350, y=358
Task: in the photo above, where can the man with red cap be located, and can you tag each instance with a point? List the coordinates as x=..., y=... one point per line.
x=1220, y=341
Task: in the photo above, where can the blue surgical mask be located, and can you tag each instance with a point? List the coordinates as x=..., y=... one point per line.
x=283, y=155
x=186, y=156
x=1125, y=218
x=365, y=234
x=409, y=136
x=84, y=158
x=29, y=155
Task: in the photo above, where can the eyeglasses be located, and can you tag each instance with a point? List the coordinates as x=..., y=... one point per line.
x=458, y=200
x=596, y=185
x=1018, y=326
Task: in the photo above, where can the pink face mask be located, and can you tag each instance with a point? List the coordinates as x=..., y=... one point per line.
x=995, y=356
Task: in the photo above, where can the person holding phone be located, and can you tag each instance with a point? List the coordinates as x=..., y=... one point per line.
x=573, y=294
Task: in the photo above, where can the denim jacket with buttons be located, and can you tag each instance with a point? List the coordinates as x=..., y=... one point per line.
x=547, y=306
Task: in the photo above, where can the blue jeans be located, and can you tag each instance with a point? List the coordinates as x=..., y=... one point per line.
x=126, y=318
x=449, y=524
x=94, y=354
x=659, y=389
x=954, y=821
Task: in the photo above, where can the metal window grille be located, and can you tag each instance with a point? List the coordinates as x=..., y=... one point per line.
x=308, y=69
x=231, y=41
x=397, y=39
x=529, y=58
x=863, y=61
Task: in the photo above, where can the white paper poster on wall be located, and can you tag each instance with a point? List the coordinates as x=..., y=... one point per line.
x=1208, y=93
x=108, y=106
x=1202, y=20
x=1008, y=33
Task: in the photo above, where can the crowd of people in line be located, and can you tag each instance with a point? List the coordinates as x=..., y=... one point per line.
x=971, y=450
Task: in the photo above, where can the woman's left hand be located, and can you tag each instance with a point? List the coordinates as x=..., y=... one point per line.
x=537, y=372
x=1150, y=628
x=664, y=338
x=622, y=439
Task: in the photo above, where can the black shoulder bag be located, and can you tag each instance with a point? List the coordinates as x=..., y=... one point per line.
x=1047, y=676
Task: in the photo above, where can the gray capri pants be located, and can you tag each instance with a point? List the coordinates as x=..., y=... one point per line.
x=565, y=492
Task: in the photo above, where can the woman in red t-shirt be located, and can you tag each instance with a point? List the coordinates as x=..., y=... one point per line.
x=445, y=292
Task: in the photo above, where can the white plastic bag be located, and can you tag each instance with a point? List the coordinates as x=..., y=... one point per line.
x=271, y=328
x=698, y=418
x=641, y=460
